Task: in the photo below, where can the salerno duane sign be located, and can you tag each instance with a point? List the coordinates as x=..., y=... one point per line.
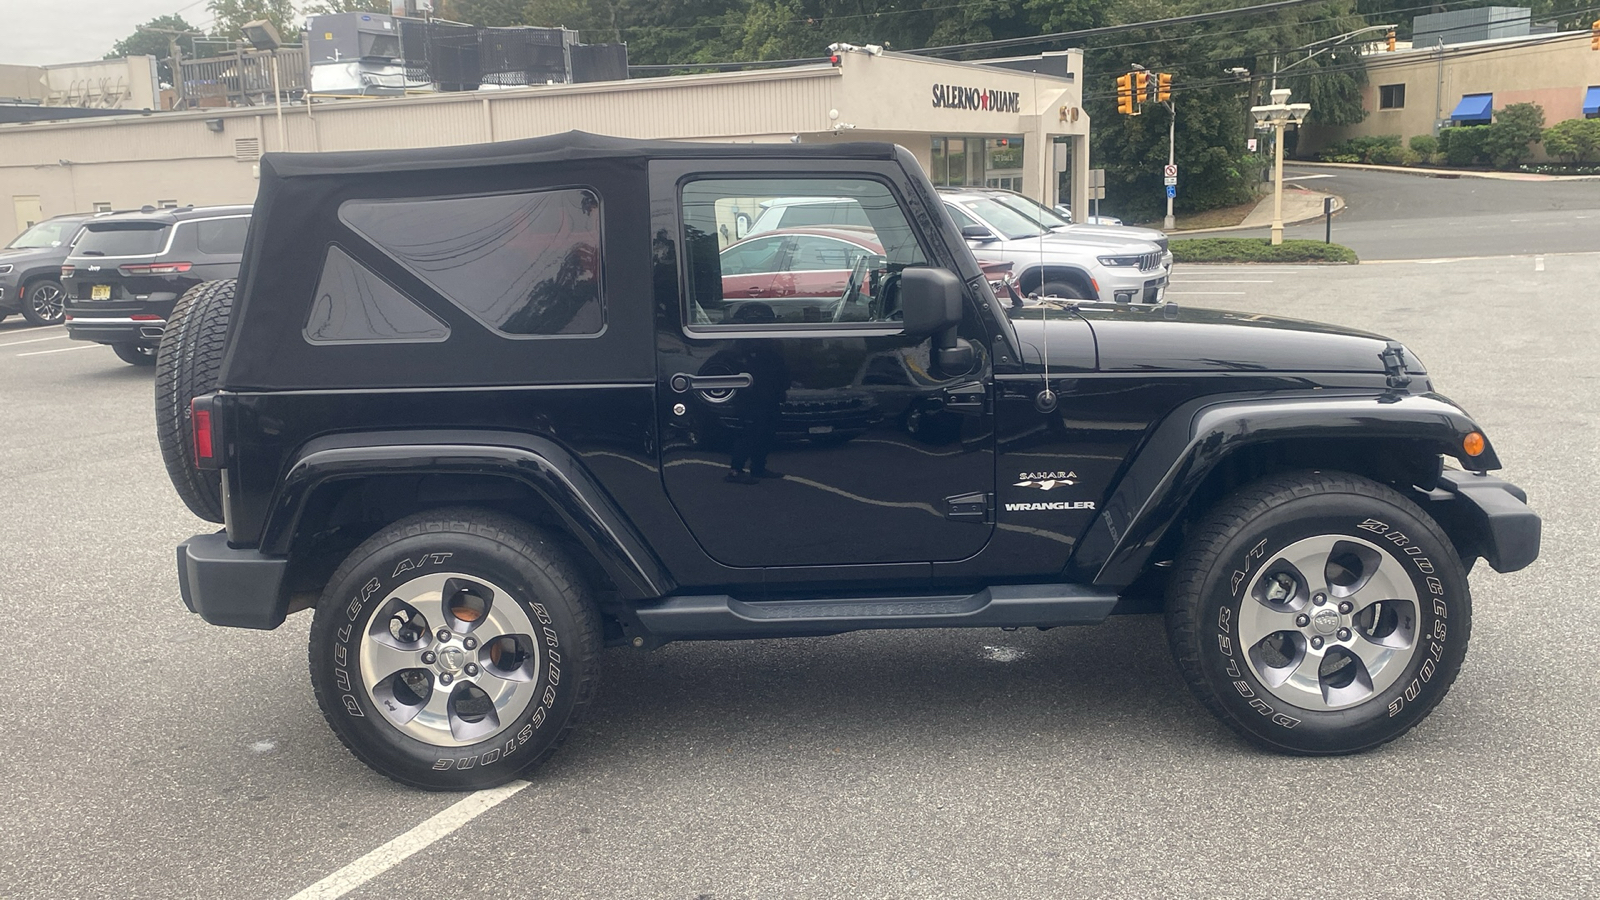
x=954, y=96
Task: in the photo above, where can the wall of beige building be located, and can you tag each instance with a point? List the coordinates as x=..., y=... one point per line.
x=211, y=156
x=1554, y=75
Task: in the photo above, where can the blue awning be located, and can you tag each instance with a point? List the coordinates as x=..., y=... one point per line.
x=1591, y=103
x=1474, y=108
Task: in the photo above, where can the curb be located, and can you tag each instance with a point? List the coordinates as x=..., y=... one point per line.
x=1443, y=173
x=1338, y=205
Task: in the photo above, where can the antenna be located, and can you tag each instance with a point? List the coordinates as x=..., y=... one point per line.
x=1046, y=399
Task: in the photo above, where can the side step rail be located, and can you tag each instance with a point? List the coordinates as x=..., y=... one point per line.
x=720, y=617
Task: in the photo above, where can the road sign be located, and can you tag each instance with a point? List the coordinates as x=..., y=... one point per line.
x=1170, y=180
x=1250, y=145
x=1170, y=171
x=1172, y=191
x=1097, y=178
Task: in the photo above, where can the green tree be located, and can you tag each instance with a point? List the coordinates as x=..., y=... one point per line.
x=146, y=42
x=1574, y=140
x=333, y=7
x=231, y=15
x=1516, y=126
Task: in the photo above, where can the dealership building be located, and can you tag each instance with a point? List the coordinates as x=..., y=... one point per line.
x=1017, y=124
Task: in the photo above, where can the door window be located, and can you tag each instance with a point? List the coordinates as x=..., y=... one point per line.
x=827, y=274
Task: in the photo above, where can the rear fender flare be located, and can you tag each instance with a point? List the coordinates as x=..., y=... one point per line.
x=1155, y=492
x=549, y=470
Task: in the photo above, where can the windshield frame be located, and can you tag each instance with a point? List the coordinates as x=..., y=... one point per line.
x=1027, y=206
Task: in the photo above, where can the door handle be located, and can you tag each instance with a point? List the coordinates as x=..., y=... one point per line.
x=683, y=383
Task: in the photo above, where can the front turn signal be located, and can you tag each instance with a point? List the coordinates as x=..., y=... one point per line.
x=1473, y=444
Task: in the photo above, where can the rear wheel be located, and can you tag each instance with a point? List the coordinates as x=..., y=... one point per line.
x=1319, y=613
x=44, y=303
x=189, y=362
x=135, y=354
x=454, y=649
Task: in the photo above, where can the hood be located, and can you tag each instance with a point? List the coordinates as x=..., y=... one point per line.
x=1113, y=232
x=1166, y=338
x=26, y=255
x=1079, y=244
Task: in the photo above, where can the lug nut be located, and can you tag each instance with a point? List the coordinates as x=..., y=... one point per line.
x=429, y=657
x=446, y=678
x=1346, y=606
x=444, y=635
x=1319, y=598
x=470, y=643
x=1302, y=620
x=1316, y=644
x=1344, y=634
x=472, y=669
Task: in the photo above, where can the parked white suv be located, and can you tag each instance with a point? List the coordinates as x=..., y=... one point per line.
x=1080, y=263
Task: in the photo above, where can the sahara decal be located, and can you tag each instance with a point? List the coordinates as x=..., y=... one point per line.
x=1045, y=481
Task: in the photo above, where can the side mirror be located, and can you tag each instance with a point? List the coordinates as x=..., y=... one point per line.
x=977, y=233
x=930, y=301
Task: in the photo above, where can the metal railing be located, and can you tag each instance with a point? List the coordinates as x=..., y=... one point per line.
x=242, y=78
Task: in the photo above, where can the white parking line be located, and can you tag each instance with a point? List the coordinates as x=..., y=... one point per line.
x=1172, y=293
x=53, y=337
x=398, y=850
x=1227, y=281
x=62, y=350
x=1306, y=177
x=10, y=331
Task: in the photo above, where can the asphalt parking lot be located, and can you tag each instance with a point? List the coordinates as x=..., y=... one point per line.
x=150, y=755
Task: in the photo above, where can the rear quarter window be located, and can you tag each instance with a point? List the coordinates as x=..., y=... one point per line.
x=121, y=239
x=222, y=236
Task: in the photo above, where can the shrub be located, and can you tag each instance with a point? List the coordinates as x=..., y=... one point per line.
x=1387, y=154
x=1516, y=127
x=1382, y=149
x=1410, y=157
x=1575, y=140
x=1236, y=250
x=1462, y=145
x=1436, y=159
x=1424, y=145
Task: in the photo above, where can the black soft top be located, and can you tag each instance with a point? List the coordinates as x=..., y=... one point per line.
x=573, y=145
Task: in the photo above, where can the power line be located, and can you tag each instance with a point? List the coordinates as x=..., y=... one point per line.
x=1117, y=29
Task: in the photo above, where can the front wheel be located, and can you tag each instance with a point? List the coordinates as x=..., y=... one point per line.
x=453, y=650
x=1065, y=290
x=135, y=354
x=45, y=303
x=1319, y=613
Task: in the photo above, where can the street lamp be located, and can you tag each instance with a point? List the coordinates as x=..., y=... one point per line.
x=1277, y=115
x=263, y=36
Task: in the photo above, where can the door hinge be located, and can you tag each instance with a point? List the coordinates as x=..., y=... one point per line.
x=975, y=507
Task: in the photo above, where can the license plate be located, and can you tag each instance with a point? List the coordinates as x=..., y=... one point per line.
x=100, y=292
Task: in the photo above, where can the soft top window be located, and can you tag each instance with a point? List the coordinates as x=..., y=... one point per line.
x=121, y=239
x=524, y=264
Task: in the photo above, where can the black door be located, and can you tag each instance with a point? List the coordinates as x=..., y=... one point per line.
x=799, y=427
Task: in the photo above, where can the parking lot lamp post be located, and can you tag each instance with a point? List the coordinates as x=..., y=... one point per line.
x=1277, y=115
x=262, y=35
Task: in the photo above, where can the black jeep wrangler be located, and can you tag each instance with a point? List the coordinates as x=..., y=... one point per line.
x=457, y=403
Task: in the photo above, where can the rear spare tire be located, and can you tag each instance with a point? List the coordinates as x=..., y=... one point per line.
x=187, y=367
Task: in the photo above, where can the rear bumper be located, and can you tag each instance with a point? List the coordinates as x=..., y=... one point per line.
x=227, y=586
x=1488, y=517
x=115, y=330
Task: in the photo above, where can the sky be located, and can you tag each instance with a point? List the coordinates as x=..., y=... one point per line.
x=42, y=32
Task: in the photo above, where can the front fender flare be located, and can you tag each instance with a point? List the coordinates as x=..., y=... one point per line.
x=1154, y=494
x=544, y=466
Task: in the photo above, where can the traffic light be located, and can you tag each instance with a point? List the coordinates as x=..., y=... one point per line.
x=1125, y=102
x=1594, y=35
x=1163, y=88
x=1391, y=40
x=1141, y=86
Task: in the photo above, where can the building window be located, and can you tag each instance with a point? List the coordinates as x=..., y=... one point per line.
x=524, y=264
x=102, y=206
x=1591, y=102
x=1392, y=96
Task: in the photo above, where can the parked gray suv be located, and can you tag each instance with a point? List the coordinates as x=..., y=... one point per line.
x=30, y=270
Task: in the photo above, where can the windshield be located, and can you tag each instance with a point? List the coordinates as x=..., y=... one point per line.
x=51, y=233
x=1034, y=210
x=1001, y=218
x=122, y=239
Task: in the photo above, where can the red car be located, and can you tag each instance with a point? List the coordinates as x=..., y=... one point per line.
x=807, y=264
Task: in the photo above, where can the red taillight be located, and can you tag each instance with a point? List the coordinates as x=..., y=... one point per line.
x=66, y=271
x=205, y=447
x=172, y=268
x=145, y=318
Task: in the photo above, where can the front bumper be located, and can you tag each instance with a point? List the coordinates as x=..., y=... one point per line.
x=1129, y=285
x=1487, y=517
x=228, y=586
